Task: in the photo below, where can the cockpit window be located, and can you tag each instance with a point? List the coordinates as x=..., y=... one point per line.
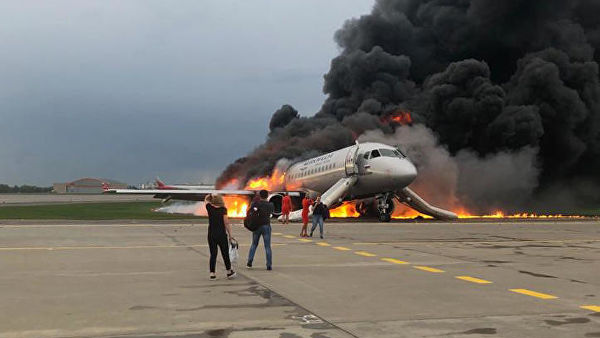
x=400, y=153
x=366, y=156
x=375, y=153
x=387, y=153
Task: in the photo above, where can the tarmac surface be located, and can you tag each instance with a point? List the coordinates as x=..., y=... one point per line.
x=123, y=279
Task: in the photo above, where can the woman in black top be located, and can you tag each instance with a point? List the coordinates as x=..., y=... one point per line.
x=218, y=231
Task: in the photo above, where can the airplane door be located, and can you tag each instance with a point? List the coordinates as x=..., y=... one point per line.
x=351, y=167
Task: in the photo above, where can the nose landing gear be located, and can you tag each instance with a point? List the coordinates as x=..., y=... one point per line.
x=385, y=207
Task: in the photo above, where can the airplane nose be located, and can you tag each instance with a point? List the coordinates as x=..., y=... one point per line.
x=406, y=172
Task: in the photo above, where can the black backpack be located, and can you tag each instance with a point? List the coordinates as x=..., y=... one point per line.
x=252, y=219
x=326, y=214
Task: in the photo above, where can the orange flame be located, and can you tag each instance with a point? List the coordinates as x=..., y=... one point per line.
x=399, y=117
x=236, y=205
x=500, y=214
x=273, y=182
x=348, y=210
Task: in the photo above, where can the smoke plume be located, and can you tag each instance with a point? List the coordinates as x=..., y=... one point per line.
x=191, y=208
x=504, y=180
x=509, y=88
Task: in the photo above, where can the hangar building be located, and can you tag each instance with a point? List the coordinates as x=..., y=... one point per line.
x=87, y=185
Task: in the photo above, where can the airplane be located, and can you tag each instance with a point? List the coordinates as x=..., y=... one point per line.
x=162, y=186
x=372, y=174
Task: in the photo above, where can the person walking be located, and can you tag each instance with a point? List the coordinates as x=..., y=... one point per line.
x=319, y=214
x=306, y=203
x=286, y=208
x=265, y=209
x=219, y=230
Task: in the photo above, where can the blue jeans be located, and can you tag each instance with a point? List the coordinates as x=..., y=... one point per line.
x=265, y=232
x=317, y=219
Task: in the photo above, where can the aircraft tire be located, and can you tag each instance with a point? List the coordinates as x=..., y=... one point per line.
x=385, y=217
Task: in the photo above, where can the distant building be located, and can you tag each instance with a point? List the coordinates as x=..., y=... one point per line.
x=87, y=185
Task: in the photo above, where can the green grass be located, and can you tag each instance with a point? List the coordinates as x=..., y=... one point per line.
x=590, y=212
x=90, y=211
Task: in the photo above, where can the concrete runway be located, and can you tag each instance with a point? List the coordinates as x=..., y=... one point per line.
x=510, y=279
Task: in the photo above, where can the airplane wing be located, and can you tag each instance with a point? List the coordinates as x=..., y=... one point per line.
x=186, y=195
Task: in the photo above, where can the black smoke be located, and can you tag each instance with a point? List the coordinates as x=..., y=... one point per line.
x=486, y=76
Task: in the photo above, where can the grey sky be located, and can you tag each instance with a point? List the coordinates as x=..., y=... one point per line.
x=134, y=89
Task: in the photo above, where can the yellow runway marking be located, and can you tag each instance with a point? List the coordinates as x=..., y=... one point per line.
x=533, y=293
x=305, y=240
x=342, y=248
x=480, y=242
x=474, y=280
x=594, y=308
x=394, y=261
x=323, y=244
x=277, y=233
x=426, y=268
x=289, y=236
x=364, y=253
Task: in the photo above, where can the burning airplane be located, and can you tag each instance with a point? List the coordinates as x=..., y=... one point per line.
x=372, y=175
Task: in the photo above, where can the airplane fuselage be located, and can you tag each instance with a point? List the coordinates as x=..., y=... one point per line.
x=379, y=168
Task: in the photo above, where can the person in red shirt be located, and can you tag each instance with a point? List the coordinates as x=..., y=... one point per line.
x=286, y=208
x=306, y=203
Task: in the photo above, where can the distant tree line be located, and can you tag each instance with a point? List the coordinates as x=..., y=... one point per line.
x=7, y=189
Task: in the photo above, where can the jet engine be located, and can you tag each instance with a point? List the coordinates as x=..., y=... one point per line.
x=276, y=199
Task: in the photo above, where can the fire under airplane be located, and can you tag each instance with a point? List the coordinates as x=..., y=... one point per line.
x=371, y=174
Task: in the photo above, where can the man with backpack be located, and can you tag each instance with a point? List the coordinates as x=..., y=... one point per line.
x=258, y=220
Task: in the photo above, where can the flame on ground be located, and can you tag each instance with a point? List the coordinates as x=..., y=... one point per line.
x=236, y=205
x=348, y=210
x=500, y=214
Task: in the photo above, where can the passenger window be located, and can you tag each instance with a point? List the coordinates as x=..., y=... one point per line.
x=375, y=153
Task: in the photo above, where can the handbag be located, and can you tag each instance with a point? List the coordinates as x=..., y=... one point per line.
x=234, y=253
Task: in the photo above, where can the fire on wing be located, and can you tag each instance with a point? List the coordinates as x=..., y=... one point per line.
x=237, y=205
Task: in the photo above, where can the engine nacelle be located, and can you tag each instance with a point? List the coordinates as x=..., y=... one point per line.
x=276, y=199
